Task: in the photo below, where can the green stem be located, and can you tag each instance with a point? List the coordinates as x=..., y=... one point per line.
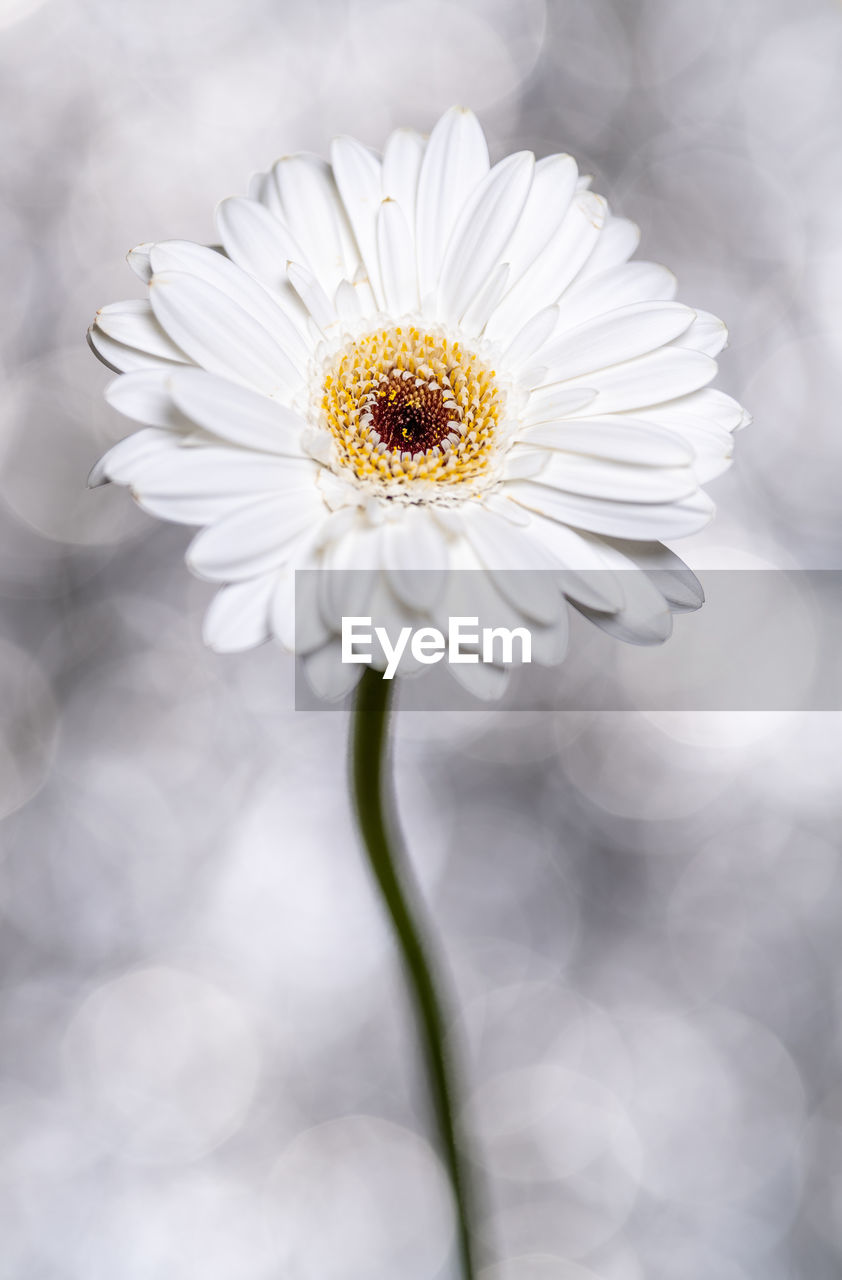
x=369, y=787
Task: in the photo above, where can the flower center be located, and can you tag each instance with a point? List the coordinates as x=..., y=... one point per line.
x=406, y=405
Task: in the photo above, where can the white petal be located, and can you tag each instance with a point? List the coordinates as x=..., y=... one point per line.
x=261, y=245
x=482, y=680
x=639, y=521
x=256, y=186
x=122, y=359
x=614, y=338
x=145, y=396
x=329, y=676
x=623, y=482
x=346, y=301
x=138, y=260
x=218, y=334
x=553, y=187
x=677, y=584
x=415, y=557
x=585, y=576
x=557, y=400
x=481, y=309
x=238, y=616
x=644, y=616
x=617, y=287
x=357, y=173
x=648, y=380
x=709, y=403
x=312, y=294
x=133, y=324
x=352, y=562
x=616, y=244
x=455, y=161
x=506, y=510
x=215, y=269
x=235, y=413
x=189, y=509
x=191, y=471
x=531, y=338
x=517, y=562
x=523, y=463
x=390, y=611
x=402, y=158
x=396, y=256
x=295, y=618
x=255, y=538
x=475, y=593
x=121, y=459
x=482, y=231
x=316, y=218
x=707, y=333
x=712, y=445
x=621, y=439
x=553, y=269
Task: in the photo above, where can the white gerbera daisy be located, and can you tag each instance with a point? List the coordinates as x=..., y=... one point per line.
x=411, y=362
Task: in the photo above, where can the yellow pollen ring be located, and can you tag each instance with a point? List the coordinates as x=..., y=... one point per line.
x=377, y=368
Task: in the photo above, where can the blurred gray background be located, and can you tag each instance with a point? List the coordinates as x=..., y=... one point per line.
x=206, y=1065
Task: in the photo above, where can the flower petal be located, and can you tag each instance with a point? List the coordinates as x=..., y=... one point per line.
x=555, y=401
x=238, y=615
x=617, y=243
x=415, y=557
x=402, y=158
x=122, y=458
x=617, y=287
x=620, y=439
x=478, y=314
x=122, y=359
x=329, y=676
x=553, y=187
x=145, y=396
x=219, y=334
x=638, y=521
x=707, y=333
x=195, y=471
x=312, y=294
x=531, y=338
x=133, y=324
x=138, y=260
x=357, y=172
x=237, y=414
x=517, y=561
x=257, y=537
x=554, y=268
x=215, y=269
x=648, y=380
x=709, y=403
x=677, y=584
x=620, y=481
x=315, y=216
x=261, y=245
x=482, y=231
x=616, y=337
x=396, y=256
x=455, y=162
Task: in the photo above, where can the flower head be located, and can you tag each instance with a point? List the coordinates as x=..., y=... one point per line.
x=418, y=361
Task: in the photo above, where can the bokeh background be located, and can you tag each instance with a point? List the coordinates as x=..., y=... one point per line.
x=206, y=1064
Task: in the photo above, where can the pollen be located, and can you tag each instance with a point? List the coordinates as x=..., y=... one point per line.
x=405, y=405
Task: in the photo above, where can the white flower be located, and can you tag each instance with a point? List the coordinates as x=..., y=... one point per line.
x=419, y=361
